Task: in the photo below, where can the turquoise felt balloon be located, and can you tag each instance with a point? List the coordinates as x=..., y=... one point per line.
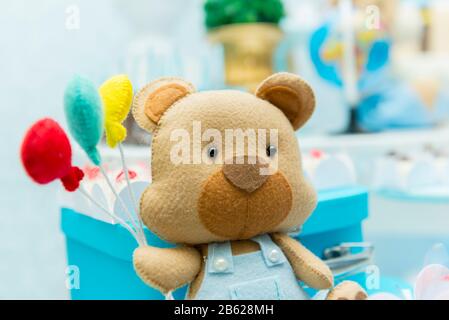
x=84, y=113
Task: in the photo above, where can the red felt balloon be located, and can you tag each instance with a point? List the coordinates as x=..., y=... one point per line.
x=47, y=155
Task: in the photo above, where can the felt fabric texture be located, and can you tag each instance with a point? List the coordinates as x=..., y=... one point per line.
x=169, y=207
x=252, y=276
x=71, y=181
x=47, y=155
x=238, y=247
x=84, y=114
x=234, y=214
x=347, y=290
x=195, y=285
x=308, y=268
x=200, y=202
x=291, y=94
x=167, y=269
x=163, y=98
x=155, y=98
x=117, y=97
x=246, y=174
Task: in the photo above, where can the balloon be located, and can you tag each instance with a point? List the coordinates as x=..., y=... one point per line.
x=117, y=95
x=47, y=155
x=432, y=283
x=84, y=113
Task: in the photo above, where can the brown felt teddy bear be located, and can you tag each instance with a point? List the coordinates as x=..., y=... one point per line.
x=229, y=207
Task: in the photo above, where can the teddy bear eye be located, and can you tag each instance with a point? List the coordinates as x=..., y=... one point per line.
x=212, y=152
x=271, y=151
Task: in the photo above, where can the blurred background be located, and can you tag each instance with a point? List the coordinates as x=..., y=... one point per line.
x=380, y=71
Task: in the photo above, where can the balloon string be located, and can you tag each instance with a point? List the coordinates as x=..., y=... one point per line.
x=113, y=216
x=131, y=192
x=119, y=199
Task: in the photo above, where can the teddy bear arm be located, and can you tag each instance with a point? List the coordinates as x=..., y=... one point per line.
x=167, y=269
x=307, y=267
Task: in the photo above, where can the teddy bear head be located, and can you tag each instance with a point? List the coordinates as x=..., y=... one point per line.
x=225, y=164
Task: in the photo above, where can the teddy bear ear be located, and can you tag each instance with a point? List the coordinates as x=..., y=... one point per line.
x=155, y=98
x=292, y=95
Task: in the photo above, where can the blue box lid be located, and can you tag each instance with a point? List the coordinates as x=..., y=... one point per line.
x=336, y=209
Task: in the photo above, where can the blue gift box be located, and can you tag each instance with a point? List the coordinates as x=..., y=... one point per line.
x=102, y=252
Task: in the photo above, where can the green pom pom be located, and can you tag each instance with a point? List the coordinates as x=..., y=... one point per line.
x=222, y=12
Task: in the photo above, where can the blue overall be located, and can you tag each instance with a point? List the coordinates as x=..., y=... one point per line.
x=262, y=275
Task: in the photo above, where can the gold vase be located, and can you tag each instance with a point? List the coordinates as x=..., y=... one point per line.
x=249, y=50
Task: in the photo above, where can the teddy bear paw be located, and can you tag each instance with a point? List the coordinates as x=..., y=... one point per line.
x=347, y=290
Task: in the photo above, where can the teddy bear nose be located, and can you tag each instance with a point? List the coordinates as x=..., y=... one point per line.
x=246, y=172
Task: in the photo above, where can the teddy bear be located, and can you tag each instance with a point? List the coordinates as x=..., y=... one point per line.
x=229, y=209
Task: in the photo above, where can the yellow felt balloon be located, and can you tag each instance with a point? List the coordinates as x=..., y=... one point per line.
x=117, y=96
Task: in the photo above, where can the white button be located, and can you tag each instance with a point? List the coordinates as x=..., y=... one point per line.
x=220, y=264
x=274, y=255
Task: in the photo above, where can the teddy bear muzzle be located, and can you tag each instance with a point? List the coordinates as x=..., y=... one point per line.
x=240, y=200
